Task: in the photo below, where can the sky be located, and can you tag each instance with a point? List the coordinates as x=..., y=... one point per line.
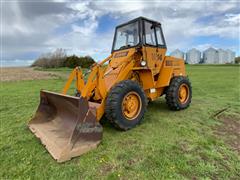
x=30, y=28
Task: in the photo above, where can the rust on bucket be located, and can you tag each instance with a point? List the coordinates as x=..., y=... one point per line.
x=66, y=125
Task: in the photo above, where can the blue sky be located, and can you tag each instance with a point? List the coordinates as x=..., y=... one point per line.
x=30, y=28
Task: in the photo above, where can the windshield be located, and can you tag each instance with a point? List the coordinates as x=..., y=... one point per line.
x=126, y=36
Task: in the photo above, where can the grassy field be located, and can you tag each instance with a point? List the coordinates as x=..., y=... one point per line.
x=191, y=144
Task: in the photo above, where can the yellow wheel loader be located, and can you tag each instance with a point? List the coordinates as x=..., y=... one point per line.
x=137, y=71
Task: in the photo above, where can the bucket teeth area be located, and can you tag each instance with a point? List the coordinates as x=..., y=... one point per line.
x=65, y=125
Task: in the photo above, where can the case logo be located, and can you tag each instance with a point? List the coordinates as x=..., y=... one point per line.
x=121, y=54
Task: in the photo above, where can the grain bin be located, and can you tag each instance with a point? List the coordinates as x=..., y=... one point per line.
x=210, y=56
x=230, y=56
x=222, y=55
x=177, y=53
x=193, y=56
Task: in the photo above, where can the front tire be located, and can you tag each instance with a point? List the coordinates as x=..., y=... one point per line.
x=125, y=105
x=179, y=93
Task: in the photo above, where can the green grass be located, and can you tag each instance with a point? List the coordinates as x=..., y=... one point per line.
x=167, y=145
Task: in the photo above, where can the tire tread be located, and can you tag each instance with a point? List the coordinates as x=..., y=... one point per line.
x=172, y=91
x=113, y=98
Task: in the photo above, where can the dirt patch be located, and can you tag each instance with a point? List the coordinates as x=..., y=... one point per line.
x=229, y=130
x=25, y=73
x=134, y=161
x=184, y=146
x=106, y=168
x=128, y=142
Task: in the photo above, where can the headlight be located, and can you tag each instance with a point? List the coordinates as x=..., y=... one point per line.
x=143, y=63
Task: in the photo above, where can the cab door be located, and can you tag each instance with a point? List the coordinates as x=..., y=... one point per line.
x=154, y=46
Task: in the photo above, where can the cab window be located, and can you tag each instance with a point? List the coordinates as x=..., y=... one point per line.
x=159, y=36
x=150, y=34
x=126, y=36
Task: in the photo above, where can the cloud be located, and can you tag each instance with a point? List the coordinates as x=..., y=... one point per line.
x=27, y=26
x=31, y=28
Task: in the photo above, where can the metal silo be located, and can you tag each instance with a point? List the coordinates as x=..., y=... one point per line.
x=177, y=53
x=230, y=56
x=210, y=56
x=222, y=55
x=193, y=56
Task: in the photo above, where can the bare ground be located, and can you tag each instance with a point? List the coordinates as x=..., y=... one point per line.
x=229, y=130
x=25, y=73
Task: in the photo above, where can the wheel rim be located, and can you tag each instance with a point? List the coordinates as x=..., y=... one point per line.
x=131, y=105
x=183, y=93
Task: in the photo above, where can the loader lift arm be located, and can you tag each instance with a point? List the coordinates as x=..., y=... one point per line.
x=96, y=82
x=78, y=75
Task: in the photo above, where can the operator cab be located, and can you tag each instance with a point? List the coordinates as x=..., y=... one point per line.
x=137, y=33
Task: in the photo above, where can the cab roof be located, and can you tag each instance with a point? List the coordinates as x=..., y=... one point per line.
x=140, y=18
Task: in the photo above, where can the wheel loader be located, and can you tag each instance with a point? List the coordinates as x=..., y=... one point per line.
x=119, y=88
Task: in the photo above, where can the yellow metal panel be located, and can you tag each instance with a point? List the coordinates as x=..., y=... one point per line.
x=165, y=76
x=155, y=95
x=171, y=67
x=101, y=109
x=101, y=83
x=154, y=57
x=125, y=72
x=79, y=81
x=146, y=79
x=91, y=83
x=110, y=76
x=120, y=57
x=177, y=65
x=69, y=81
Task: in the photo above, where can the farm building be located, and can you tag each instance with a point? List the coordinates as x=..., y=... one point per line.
x=222, y=56
x=230, y=56
x=193, y=56
x=177, y=53
x=210, y=56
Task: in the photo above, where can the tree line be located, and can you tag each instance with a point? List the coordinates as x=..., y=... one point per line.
x=59, y=58
x=237, y=60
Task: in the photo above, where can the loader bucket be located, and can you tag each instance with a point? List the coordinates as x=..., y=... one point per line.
x=66, y=125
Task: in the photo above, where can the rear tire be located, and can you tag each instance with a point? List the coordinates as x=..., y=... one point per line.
x=179, y=93
x=125, y=105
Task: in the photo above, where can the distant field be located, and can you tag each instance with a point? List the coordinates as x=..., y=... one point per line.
x=199, y=142
x=26, y=73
